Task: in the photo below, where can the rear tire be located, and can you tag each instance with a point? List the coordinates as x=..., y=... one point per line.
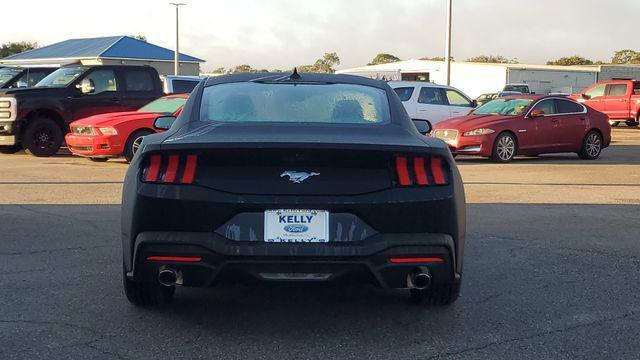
x=147, y=294
x=95, y=159
x=10, y=149
x=504, y=148
x=631, y=123
x=591, y=146
x=42, y=137
x=436, y=294
x=133, y=142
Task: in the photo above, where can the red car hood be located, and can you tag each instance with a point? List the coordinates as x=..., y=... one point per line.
x=115, y=118
x=470, y=122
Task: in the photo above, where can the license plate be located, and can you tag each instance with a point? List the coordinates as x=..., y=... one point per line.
x=297, y=226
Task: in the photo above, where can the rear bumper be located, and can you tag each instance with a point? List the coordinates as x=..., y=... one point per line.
x=94, y=145
x=366, y=261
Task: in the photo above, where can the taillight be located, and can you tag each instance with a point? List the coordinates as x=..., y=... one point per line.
x=170, y=169
x=421, y=171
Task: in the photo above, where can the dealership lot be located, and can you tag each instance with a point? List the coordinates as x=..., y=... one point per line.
x=552, y=262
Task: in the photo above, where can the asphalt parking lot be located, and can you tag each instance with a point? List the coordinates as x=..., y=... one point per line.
x=552, y=263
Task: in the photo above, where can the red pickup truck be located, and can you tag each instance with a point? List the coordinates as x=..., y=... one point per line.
x=619, y=99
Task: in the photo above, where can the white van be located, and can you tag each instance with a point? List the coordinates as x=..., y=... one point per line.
x=432, y=102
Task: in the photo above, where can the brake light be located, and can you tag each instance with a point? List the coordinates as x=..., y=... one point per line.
x=170, y=169
x=421, y=171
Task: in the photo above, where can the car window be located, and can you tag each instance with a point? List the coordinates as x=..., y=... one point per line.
x=431, y=95
x=518, y=88
x=568, y=106
x=617, y=89
x=547, y=105
x=184, y=86
x=103, y=80
x=30, y=78
x=456, y=99
x=404, y=93
x=636, y=88
x=138, y=80
x=295, y=103
x=596, y=91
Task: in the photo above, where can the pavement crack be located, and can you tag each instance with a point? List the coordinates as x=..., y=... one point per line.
x=532, y=336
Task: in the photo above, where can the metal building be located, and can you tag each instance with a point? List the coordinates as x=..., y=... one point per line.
x=111, y=50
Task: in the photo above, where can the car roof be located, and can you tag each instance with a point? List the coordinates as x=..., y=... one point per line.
x=304, y=77
x=535, y=97
x=396, y=84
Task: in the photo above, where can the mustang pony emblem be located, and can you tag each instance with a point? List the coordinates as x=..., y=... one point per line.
x=298, y=176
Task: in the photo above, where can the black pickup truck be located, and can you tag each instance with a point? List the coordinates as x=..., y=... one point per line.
x=37, y=118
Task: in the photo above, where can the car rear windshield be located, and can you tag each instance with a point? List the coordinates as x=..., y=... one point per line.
x=512, y=106
x=519, y=88
x=295, y=102
x=165, y=105
x=62, y=77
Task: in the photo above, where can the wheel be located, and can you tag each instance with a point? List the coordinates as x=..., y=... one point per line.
x=591, y=146
x=631, y=123
x=10, y=149
x=42, y=137
x=614, y=123
x=436, y=294
x=95, y=159
x=133, y=143
x=146, y=294
x=504, y=148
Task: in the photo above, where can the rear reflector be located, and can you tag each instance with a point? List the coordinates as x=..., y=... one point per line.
x=174, y=258
x=170, y=169
x=416, y=260
x=421, y=171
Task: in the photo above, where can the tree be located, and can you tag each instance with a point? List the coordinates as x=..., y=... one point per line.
x=572, y=60
x=322, y=65
x=496, y=59
x=626, y=57
x=383, y=59
x=243, y=69
x=140, y=37
x=220, y=70
x=12, y=48
x=435, y=58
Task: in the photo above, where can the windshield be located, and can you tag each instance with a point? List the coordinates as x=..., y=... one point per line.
x=62, y=77
x=519, y=88
x=165, y=105
x=514, y=106
x=7, y=74
x=301, y=103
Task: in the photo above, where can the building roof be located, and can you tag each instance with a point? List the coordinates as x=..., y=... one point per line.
x=110, y=47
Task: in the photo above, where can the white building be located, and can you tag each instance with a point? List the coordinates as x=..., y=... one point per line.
x=479, y=78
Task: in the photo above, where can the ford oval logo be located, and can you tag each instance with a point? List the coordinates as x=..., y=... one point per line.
x=296, y=228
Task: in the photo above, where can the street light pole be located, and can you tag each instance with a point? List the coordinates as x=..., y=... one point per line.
x=176, y=56
x=447, y=53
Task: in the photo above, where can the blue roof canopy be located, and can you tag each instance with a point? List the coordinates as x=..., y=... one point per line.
x=114, y=47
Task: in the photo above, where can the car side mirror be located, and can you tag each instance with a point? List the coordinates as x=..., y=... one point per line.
x=423, y=126
x=86, y=86
x=536, y=113
x=474, y=103
x=163, y=122
x=585, y=96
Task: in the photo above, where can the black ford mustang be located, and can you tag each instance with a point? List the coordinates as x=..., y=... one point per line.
x=308, y=177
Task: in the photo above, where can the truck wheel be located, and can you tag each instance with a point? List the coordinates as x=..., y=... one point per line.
x=146, y=294
x=591, y=146
x=436, y=294
x=631, y=123
x=614, y=123
x=42, y=137
x=504, y=148
x=133, y=143
x=10, y=149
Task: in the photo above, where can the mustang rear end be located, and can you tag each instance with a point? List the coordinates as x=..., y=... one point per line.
x=288, y=178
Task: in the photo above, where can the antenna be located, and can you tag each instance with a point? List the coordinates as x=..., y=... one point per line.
x=295, y=75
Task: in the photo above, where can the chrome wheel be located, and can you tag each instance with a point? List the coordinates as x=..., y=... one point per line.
x=506, y=148
x=593, y=145
x=136, y=144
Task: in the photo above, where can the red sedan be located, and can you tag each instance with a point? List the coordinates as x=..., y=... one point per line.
x=100, y=137
x=527, y=125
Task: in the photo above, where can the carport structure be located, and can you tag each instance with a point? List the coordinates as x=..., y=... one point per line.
x=110, y=50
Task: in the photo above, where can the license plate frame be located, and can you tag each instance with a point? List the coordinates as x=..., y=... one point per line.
x=296, y=226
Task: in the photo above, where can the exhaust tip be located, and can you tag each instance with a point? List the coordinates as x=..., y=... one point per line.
x=168, y=277
x=419, y=278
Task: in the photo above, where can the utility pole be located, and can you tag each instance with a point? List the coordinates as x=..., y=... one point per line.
x=176, y=57
x=447, y=52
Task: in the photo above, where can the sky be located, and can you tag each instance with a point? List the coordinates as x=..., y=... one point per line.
x=279, y=34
